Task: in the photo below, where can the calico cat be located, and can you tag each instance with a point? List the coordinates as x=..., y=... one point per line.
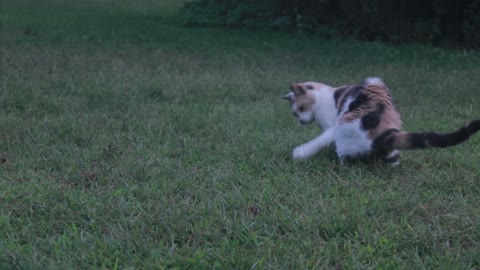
x=362, y=121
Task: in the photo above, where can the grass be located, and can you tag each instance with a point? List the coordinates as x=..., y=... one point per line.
x=128, y=141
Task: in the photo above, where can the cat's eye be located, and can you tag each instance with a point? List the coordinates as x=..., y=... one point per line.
x=301, y=109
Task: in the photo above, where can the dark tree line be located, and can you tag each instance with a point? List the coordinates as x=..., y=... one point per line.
x=451, y=22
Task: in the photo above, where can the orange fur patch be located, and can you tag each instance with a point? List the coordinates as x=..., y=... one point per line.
x=375, y=94
x=306, y=101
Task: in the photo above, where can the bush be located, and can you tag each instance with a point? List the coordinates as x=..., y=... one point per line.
x=248, y=13
x=433, y=21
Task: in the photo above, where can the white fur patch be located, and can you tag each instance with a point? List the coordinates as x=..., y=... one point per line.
x=393, y=153
x=351, y=140
x=324, y=108
x=374, y=81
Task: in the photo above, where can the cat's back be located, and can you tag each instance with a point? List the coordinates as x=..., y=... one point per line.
x=365, y=110
x=370, y=104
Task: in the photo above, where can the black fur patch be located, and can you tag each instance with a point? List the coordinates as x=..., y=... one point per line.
x=359, y=101
x=349, y=91
x=383, y=144
x=416, y=140
x=355, y=89
x=448, y=139
x=473, y=126
x=442, y=140
x=338, y=93
x=372, y=119
x=359, y=98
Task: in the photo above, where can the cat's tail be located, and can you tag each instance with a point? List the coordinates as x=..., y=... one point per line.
x=402, y=140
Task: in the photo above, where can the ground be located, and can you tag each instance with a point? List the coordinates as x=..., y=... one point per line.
x=129, y=141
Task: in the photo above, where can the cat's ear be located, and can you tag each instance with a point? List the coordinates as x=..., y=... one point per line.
x=297, y=89
x=290, y=96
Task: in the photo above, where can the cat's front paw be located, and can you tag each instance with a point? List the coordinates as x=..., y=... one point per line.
x=300, y=153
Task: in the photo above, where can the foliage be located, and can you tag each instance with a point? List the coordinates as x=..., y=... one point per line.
x=249, y=13
x=440, y=21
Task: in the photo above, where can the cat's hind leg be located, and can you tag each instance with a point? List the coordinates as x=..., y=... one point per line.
x=392, y=158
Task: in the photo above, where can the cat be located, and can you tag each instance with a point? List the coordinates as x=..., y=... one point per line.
x=362, y=121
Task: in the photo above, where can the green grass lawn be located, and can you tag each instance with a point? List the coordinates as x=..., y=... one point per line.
x=130, y=142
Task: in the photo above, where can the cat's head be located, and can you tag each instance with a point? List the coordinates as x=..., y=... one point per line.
x=301, y=100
